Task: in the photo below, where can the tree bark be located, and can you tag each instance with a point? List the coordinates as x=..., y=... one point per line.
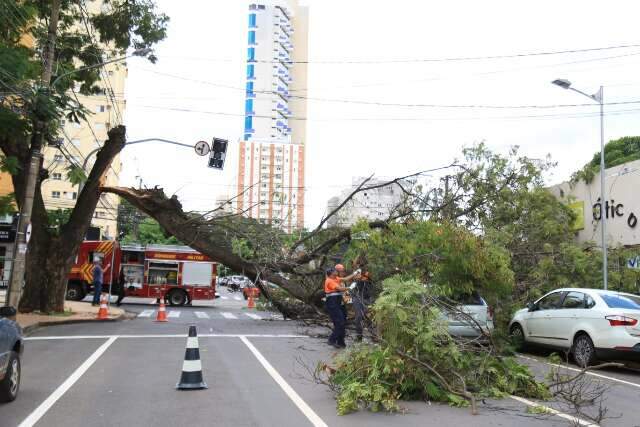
x=51, y=256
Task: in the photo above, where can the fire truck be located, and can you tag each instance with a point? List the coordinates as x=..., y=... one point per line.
x=178, y=274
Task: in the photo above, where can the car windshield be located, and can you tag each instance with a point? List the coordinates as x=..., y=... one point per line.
x=631, y=302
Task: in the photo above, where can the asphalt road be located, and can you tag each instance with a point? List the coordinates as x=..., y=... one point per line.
x=256, y=367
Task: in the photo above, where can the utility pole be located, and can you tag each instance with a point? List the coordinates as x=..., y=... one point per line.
x=37, y=141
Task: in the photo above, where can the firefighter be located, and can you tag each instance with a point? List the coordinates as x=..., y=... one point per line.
x=120, y=288
x=333, y=289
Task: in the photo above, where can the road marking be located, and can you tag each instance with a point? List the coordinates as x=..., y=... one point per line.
x=201, y=315
x=174, y=313
x=593, y=374
x=93, y=337
x=295, y=398
x=574, y=420
x=237, y=298
x=65, y=386
x=253, y=316
x=146, y=313
x=228, y=315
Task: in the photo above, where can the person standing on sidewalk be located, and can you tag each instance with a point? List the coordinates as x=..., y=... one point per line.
x=333, y=289
x=98, y=274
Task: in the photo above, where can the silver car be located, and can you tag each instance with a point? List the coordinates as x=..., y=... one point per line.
x=469, y=316
x=11, y=345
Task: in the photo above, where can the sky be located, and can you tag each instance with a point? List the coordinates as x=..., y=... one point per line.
x=373, y=52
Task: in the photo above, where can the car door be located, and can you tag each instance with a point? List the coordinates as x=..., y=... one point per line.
x=539, y=322
x=563, y=321
x=4, y=345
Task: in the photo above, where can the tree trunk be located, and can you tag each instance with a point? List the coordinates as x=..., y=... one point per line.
x=50, y=257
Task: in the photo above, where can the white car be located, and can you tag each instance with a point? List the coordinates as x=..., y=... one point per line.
x=590, y=323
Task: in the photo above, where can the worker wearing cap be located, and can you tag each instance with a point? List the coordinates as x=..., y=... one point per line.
x=333, y=289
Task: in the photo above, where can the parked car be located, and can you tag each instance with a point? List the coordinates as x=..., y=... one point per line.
x=469, y=314
x=11, y=346
x=591, y=324
x=222, y=281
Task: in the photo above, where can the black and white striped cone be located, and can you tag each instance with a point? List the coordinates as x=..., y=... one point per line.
x=191, y=378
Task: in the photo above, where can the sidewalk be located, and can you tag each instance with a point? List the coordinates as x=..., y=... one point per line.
x=78, y=312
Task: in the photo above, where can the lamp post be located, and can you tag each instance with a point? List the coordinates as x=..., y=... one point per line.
x=599, y=98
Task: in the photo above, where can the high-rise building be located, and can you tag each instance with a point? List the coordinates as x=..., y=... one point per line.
x=79, y=140
x=271, y=155
x=373, y=204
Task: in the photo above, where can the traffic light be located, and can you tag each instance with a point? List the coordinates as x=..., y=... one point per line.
x=218, y=153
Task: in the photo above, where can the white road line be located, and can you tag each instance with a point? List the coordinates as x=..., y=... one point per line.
x=574, y=420
x=593, y=374
x=228, y=315
x=174, y=313
x=65, y=386
x=295, y=398
x=146, y=313
x=237, y=298
x=201, y=315
x=253, y=316
x=93, y=337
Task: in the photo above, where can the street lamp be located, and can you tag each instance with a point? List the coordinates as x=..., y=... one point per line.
x=599, y=98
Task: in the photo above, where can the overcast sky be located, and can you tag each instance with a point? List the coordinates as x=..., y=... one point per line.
x=206, y=48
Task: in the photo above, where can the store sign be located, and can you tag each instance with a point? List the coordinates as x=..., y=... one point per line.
x=634, y=263
x=613, y=210
x=7, y=234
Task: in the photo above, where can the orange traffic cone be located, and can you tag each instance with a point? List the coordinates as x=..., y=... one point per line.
x=162, y=313
x=103, y=312
x=251, y=303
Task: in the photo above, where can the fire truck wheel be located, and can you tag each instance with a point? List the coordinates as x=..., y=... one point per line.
x=177, y=297
x=75, y=292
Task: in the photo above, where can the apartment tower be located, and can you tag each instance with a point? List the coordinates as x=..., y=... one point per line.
x=271, y=153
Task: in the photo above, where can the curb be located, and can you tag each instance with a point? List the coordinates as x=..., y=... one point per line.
x=29, y=329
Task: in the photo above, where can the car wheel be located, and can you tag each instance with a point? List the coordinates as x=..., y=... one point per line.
x=517, y=336
x=584, y=353
x=177, y=297
x=10, y=385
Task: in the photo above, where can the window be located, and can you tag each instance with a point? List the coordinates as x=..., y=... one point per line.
x=589, y=302
x=252, y=20
x=550, y=302
x=56, y=176
x=55, y=194
x=248, y=123
x=252, y=37
x=248, y=106
x=57, y=158
x=622, y=301
x=249, y=88
x=573, y=300
x=100, y=109
x=251, y=54
x=251, y=70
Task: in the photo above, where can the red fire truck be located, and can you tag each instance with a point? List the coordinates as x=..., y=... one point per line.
x=178, y=274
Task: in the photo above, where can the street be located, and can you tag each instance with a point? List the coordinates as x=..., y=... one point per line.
x=256, y=366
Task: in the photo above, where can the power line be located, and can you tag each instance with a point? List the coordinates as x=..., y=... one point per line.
x=392, y=104
x=416, y=119
x=444, y=59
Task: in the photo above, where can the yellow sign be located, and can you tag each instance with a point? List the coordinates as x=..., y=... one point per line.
x=578, y=210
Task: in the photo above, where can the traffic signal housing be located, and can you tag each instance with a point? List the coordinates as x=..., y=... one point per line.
x=218, y=153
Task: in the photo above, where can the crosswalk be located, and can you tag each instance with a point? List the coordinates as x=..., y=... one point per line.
x=202, y=315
